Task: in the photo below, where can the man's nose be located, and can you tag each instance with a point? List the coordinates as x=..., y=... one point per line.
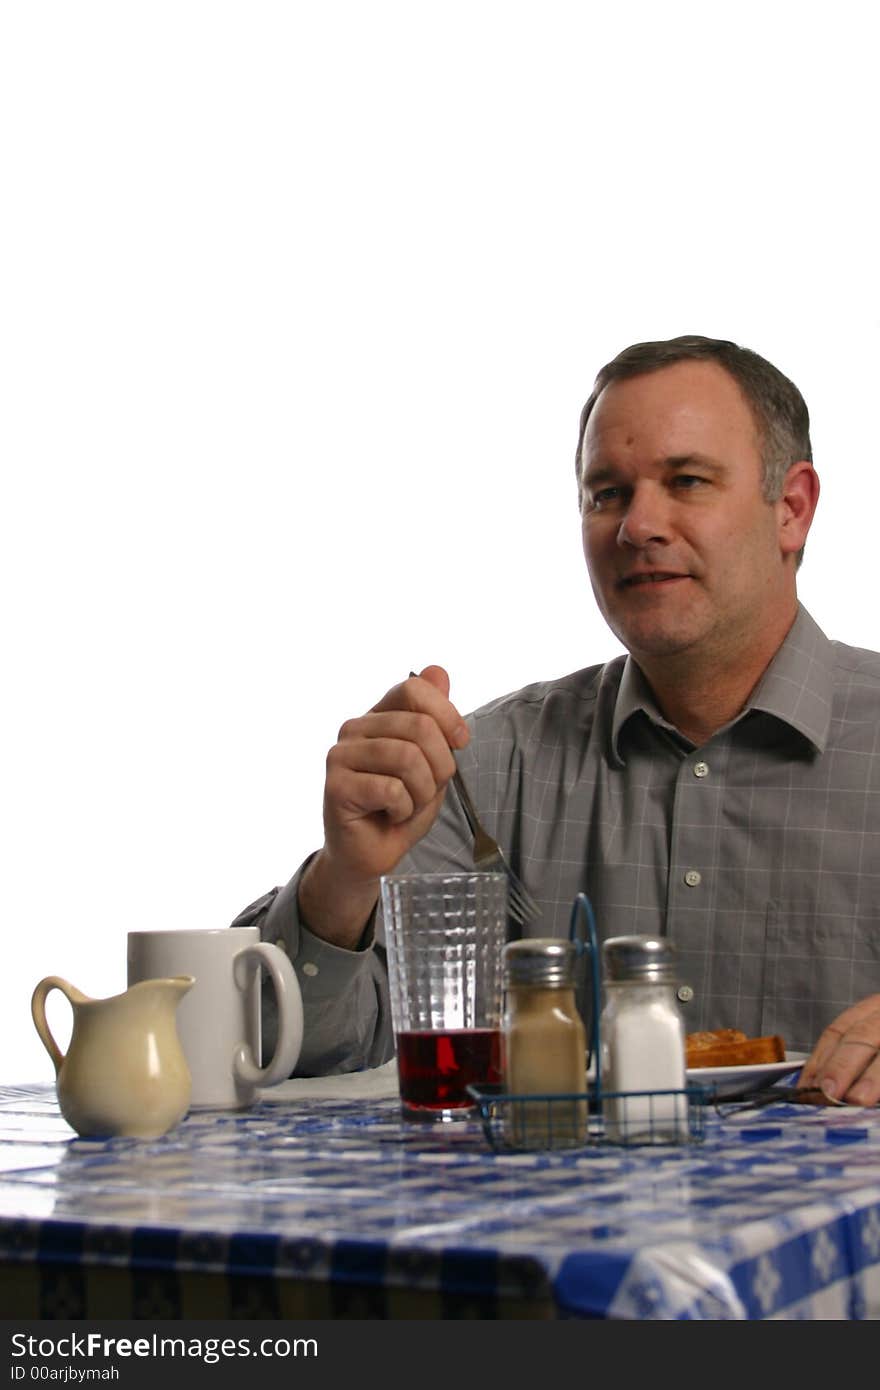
x=646, y=518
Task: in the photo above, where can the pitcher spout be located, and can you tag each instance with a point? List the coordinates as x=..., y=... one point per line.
x=174, y=985
x=162, y=993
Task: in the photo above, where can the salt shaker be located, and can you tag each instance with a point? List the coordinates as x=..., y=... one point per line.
x=544, y=1045
x=642, y=1042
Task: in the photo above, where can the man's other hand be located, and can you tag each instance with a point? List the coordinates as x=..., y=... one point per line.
x=845, y=1063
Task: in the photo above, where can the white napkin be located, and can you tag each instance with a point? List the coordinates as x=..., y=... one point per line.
x=373, y=1084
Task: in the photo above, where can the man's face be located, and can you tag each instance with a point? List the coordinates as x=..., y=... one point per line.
x=682, y=549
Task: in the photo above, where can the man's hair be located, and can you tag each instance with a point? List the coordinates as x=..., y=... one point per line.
x=778, y=408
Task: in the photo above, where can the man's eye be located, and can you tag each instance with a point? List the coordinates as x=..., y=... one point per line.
x=603, y=496
x=687, y=480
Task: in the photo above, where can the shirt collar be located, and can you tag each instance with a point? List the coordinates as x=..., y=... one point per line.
x=634, y=694
x=798, y=685
x=796, y=688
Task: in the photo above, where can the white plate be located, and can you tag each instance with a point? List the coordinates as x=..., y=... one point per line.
x=733, y=1080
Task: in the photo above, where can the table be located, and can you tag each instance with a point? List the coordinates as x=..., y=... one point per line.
x=338, y=1208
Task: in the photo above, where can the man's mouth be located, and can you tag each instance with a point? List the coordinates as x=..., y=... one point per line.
x=632, y=581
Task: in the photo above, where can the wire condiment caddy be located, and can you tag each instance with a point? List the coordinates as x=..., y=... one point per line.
x=571, y=1120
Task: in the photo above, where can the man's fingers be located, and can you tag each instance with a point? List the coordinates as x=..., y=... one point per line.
x=852, y=1073
x=392, y=764
x=866, y=1090
x=436, y=676
x=387, y=775
x=818, y=1058
x=360, y=794
x=421, y=694
x=418, y=735
x=845, y=1063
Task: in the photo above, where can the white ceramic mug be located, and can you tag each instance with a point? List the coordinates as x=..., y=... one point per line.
x=218, y=1022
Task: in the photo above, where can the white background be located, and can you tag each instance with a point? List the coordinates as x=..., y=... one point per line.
x=299, y=304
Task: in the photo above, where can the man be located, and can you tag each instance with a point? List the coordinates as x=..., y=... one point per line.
x=720, y=784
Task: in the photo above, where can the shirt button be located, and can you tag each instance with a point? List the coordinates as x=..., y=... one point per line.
x=310, y=968
x=685, y=993
x=701, y=769
x=693, y=877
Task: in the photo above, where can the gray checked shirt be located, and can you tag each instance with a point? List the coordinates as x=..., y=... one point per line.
x=757, y=853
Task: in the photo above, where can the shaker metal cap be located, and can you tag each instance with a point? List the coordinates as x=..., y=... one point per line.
x=540, y=961
x=650, y=958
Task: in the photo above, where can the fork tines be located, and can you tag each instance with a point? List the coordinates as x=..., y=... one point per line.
x=521, y=906
x=488, y=855
x=520, y=903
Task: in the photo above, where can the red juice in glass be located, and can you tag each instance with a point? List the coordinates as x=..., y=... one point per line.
x=435, y=1067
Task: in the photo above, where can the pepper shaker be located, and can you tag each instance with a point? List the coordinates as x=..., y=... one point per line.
x=544, y=1045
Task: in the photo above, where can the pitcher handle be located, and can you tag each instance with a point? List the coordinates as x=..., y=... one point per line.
x=38, y=1013
x=290, y=1017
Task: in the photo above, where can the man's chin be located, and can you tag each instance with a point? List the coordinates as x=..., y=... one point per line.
x=654, y=639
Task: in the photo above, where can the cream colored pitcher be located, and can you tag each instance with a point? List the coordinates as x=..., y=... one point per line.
x=124, y=1072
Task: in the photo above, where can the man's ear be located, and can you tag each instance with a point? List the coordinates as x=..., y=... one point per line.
x=796, y=506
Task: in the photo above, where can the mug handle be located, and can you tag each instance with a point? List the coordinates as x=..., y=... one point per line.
x=38, y=1013
x=290, y=1016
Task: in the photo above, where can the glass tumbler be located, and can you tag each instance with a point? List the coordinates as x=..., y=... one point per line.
x=445, y=934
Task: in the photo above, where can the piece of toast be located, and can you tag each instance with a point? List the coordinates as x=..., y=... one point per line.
x=695, y=1041
x=723, y=1050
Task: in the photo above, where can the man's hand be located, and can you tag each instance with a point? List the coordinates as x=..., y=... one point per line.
x=845, y=1063
x=386, y=779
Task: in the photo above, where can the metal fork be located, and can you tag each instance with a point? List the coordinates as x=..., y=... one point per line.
x=488, y=855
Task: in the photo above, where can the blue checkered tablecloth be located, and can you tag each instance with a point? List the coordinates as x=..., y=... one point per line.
x=776, y=1214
